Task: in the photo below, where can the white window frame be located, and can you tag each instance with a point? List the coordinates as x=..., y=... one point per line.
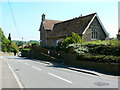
x=95, y=33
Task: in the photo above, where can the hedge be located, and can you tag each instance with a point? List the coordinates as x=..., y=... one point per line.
x=104, y=49
x=99, y=58
x=25, y=52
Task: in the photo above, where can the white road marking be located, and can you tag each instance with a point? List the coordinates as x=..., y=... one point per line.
x=27, y=64
x=19, y=83
x=36, y=68
x=60, y=78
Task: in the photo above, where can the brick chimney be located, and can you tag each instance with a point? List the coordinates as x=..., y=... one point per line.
x=43, y=17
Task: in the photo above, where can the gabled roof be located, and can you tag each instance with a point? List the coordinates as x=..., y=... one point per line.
x=49, y=24
x=77, y=25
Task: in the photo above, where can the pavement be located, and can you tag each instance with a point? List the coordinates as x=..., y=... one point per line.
x=0, y=72
x=7, y=79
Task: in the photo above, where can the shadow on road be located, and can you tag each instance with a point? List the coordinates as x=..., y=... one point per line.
x=61, y=65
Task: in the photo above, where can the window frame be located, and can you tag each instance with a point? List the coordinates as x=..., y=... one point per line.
x=95, y=33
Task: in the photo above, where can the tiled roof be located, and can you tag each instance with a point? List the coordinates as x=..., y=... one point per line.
x=76, y=25
x=49, y=24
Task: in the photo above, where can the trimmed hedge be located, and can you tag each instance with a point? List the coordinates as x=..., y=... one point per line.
x=25, y=52
x=104, y=49
x=99, y=58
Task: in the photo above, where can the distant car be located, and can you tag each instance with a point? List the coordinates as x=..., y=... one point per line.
x=19, y=54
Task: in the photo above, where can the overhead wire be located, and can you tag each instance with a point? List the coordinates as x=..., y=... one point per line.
x=14, y=21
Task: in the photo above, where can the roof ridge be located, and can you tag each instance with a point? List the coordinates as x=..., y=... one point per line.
x=52, y=20
x=78, y=17
x=90, y=14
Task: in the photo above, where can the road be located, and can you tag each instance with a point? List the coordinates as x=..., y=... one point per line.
x=29, y=73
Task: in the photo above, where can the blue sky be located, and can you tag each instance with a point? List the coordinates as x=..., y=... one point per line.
x=28, y=16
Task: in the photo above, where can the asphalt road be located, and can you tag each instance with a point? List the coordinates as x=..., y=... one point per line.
x=38, y=74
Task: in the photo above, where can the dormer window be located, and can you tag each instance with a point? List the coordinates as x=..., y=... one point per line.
x=94, y=33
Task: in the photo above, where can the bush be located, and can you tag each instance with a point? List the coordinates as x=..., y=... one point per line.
x=105, y=42
x=6, y=44
x=25, y=52
x=99, y=58
x=79, y=48
x=13, y=47
x=104, y=49
x=63, y=45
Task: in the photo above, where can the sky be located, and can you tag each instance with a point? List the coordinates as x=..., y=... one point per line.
x=119, y=15
x=27, y=15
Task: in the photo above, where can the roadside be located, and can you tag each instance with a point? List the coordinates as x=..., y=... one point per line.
x=0, y=71
x=7, y=78
x=7, y=54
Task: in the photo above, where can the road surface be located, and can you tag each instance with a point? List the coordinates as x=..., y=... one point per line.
x=27, y=73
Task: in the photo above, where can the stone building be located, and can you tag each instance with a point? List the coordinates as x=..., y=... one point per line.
x=89, y=27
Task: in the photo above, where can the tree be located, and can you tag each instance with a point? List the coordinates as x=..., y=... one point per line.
x=5, y=44
x=75, y=38
x=9, y=37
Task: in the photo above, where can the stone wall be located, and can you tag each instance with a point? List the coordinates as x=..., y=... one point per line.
x=108, y=68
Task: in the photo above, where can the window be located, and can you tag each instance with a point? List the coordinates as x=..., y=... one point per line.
x=94, y=33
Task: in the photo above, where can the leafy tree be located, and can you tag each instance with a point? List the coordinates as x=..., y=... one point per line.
x=9, y=37
x=75, y=38
x=33, y=42
x=3, y=41
x=13, y=47
x=5, y=44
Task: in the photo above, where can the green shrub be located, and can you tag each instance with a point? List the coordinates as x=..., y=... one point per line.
x=79, y=48
x=114, y=42
x=75, y=38
x=97, y=42
x=104, y=49
x=6, y=44
x=99, y=58
x=104, y=42
x=13, y=47
x=25, y=52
